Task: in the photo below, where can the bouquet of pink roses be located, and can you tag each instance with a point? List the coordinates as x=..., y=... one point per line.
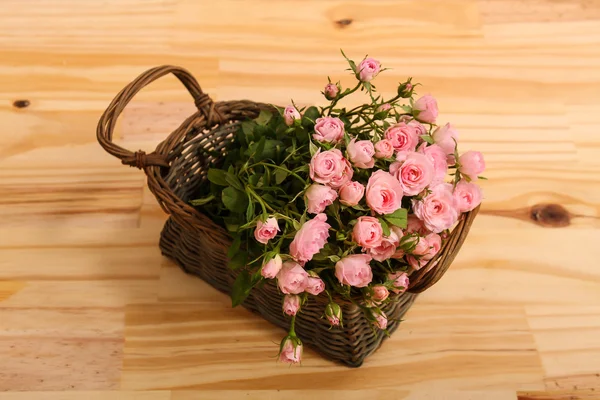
x=336, y=200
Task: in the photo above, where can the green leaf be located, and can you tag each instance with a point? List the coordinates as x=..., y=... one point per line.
x=406, y=108
x=239, y=260
x=235, y=246
x=233, y=181
x=483, y=177
x=248, y=129
x=427, y=138
x=202, y=201
x=217, y=176
x=263, y=118
x=359, y=208
x=241, y=288
x=367, y=86
x=313, y=149
x=350, y=62
x=398, y=217
x=280, y=176
x=235, y=200
x=296, y=224
x=310, y=116
x=253, y=179
x=380, y=115
x=259, y=148
x=386, y=125
x=385, y=227
x=250, y=209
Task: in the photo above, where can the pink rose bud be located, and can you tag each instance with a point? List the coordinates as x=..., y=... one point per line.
x=446, y=137
x=384, y=107
x=404, y=137
x=291, y=304
x=331, y=91
x=384, y=149
x=387, y=248
x=425, y=109
x=314, y=286
x=266, y=231
x=330, y=168
x=384, y=193
x=415, y=173
x=438, y=158
x=290, y=114
x=333, y=312
x=292, y=279
x=351, y=193
x=368, y=69
x=381, y=320
x=354, y=270
x=361, y=153
x=318, y=197
x=467, y=195
x=401, y=282
x=328, y=130
x=471, y=164
x=271, y=268
x=367, y=232
x=290, y=350
x=415, y=225
x=408, y=87
x=380, y=293
x=438, y=209
x=310, y=239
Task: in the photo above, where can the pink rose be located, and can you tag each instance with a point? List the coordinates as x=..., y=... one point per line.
x=266, y=231
x=381, y=320
x=401, y=282
x=310, y=239
x=314, y=286
x=384, y=107
x=330, y=168
x=331, y=91
x=354, y=270
x=403, y=137
x=427, y=248
x=318, y=197
x=368, y=69
x=367, y=232
x=384, y=149
x=290, y=114
x=291, y=304
x=386, y=248
x=292, y=278
x=467, y=196
x=333, y=312
x=351, y=193
x=416, y=262
x=438, y=158
x=446, y=137
x=415, y=225
x=291, y=351
x=384, y=193
x=361, y=153
x=271, y=268
x=415, y=173
x=419, y=127
x=380, y=293
x=437, y=210
x=425, y=109
x=328, y=130
x=471, y=164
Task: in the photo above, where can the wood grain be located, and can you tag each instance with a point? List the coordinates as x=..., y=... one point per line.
x=90, y=309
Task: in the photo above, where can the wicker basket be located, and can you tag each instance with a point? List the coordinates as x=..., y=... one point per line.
x=176, y=170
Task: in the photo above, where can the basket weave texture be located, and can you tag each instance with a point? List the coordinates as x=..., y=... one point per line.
x=177, y=169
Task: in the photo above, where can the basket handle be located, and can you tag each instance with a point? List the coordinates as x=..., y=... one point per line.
x=107, y=122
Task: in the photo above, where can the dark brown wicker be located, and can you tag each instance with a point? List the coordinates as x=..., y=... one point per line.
x=176, y=170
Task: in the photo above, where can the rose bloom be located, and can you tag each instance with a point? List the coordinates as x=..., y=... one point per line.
x=291, y=304
x=414, y=224
x=331, y=91
x=328, y=130
x=351, y=193
x=437, y=210
x=438, y=158
x=380, y=293
x=318, y=197
x=446, y=137
x=271, y=268
x=368, y=69
x=402, y=136
x=426, y=109
x=414, y=174
x=419, y=127
x=401, y=282
x=292, y=278
x=290, y=353
x=354, y=270
x=367, y=232
x=467, y=196
x=361, y=153
x=330, y=168
x=472, y=164
x=314, y=286
x=384, y=193
x=266, y=231
x=384, y=149
x=381, y=320
x=432, y=245
x=290, y=114
x=310, y=239
x=386, y=248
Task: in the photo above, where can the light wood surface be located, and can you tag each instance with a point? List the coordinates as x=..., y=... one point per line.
x=90, y=310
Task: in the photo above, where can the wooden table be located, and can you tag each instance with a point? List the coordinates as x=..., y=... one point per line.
x=87, y=303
